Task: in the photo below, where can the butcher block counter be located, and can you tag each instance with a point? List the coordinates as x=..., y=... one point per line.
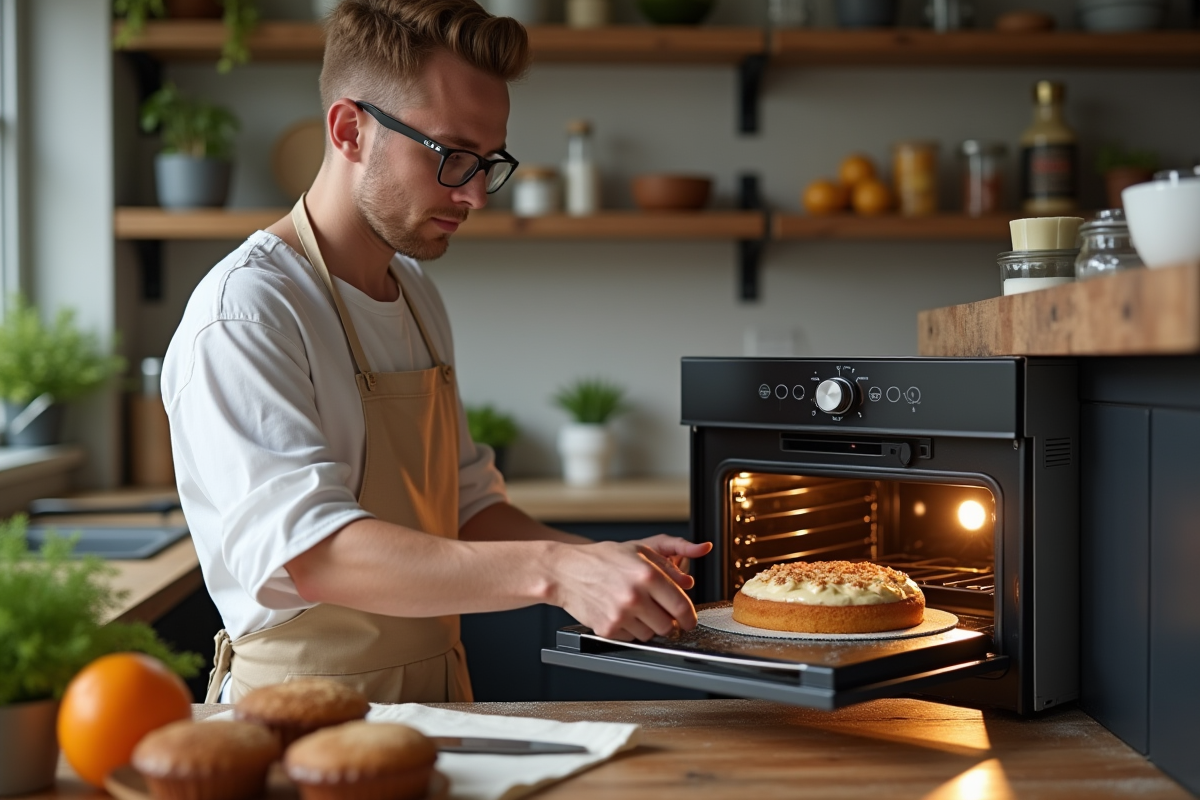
x=1134, y=313
x=699, y=749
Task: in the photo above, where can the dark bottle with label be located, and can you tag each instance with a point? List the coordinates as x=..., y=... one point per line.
x=1049, y=163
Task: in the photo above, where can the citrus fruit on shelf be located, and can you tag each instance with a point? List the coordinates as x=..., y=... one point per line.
x=110, y=705
x=824, y=197
x=871, y=198
x=855, y=169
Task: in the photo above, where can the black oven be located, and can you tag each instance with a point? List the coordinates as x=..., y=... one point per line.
x=960, y=472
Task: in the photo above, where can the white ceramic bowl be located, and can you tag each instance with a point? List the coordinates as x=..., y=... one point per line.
x=1164, y=220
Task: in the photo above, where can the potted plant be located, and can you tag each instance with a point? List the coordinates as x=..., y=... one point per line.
x=493, y=428
x=239, y=16
x=42, y=367
x=586, y=443
x=52, y=612
x=1123, y=168
x=194, y=167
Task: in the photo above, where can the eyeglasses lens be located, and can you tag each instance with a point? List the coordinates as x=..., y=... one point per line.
x=499, y=174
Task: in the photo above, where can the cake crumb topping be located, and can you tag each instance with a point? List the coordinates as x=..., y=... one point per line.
x=859, y=574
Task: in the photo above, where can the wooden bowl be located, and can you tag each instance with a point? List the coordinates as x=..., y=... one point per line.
x=666, y=192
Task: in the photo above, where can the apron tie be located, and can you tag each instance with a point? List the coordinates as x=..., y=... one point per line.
x=222, y=663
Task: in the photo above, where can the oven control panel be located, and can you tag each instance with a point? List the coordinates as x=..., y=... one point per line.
x=912, y=394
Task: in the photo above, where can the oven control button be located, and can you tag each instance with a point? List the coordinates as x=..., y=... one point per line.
x=781, y=392
x=764, y=391
x=913, y=395
x=835, y=396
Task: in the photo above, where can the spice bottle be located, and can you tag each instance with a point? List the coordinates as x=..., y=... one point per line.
x=580, y=171
x=983, y=185
x=1048, y=155
x=914, y=172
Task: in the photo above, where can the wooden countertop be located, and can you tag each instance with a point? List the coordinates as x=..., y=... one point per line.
x=887, y=749
x=1139, y=312
x=628, y=500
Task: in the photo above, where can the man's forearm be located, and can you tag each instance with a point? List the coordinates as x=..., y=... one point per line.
x=382, y=568
x=501, y=522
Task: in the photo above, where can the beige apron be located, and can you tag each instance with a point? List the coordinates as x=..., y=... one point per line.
x=410, y=478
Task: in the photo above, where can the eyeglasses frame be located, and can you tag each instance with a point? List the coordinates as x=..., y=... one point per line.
x=481, y=163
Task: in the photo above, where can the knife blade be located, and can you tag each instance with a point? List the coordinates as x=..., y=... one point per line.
x=503, y=747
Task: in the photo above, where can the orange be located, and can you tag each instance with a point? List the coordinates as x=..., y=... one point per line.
x=872, y=198
x=824, y=197
x=110, y=705
x=855, y=169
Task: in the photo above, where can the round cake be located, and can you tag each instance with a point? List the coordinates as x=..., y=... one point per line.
x=830, y=597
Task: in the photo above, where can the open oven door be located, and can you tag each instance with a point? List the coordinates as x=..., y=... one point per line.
x=814, y=674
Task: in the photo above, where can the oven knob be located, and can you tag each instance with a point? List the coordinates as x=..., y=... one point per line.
x=835, y=396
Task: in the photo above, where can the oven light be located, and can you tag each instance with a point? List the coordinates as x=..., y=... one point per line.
x=971, y=515
x=918, y=509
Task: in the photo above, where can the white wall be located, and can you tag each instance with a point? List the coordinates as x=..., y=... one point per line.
x=530, y=316
x=69, y=146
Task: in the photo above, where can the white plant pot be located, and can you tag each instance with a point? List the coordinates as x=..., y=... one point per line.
x=586, y=452
x=28, y=747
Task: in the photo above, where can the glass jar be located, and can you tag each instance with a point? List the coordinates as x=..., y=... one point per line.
x=535, y=191
x=914, y=172
x=1030, y=270
x=982, y=174
x=788, y=13
x=1106, y=247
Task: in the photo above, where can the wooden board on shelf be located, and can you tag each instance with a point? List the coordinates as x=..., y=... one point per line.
x=142, y=222
x=281, y=41
x=917, y=47
x=1139, y=312
x=892, y=226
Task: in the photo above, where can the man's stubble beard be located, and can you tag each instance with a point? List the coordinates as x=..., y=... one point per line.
x=392, y=219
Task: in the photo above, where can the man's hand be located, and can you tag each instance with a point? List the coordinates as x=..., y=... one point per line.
x=627, y=590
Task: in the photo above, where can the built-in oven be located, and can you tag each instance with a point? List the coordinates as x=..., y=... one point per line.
x=960, y=472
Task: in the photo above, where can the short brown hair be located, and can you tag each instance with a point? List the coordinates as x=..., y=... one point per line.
x=378, y=47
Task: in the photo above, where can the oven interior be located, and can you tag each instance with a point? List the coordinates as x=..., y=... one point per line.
x=942, y=535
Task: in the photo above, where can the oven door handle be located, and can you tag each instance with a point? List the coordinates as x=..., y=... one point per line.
x=993, y=666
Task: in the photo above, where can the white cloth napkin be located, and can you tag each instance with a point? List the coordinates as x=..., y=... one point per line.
x=488, y=777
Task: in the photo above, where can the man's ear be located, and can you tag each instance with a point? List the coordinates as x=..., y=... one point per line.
x=344, y=132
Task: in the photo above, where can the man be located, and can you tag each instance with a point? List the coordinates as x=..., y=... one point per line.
x=342, y=515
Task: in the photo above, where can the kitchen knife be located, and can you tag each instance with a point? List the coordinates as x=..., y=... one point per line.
x=503, y=747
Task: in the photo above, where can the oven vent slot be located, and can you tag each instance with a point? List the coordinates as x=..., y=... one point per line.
x=1058, y=453
x=921, y=448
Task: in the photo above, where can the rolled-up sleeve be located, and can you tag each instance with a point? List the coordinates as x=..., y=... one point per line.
x=246, y=421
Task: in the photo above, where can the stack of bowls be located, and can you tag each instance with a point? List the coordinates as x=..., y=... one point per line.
x=1162, y=218
x=1110, y=16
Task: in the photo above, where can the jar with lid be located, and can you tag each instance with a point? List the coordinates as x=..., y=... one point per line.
x=982, y=176
x=915, y=175
x=1029, y=270
x=581, y=171
x=1106, y=247
x=535, y=191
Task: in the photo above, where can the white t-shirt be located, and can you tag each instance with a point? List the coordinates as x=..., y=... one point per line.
x=267, y=428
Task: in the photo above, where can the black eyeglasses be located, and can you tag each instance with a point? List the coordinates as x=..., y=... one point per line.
x=458, y=166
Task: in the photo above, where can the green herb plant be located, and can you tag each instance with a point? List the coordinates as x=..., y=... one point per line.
x=491, y=427
x=591, y=401
x=240, y=17
x=1115, y=156
x=187, y=126
x=52, y=611
x=58, y=359
x=135, y=13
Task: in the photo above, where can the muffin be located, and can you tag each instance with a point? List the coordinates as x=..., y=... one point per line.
x=218, y=760
x=362, y=760
x=299, y=707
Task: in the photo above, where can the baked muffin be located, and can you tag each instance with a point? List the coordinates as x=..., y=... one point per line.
x=363, y=761
x=218, y=760
x=830, y=597
x=299, y=707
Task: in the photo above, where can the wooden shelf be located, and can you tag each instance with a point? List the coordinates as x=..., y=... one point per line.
x=147, y=222
x=1139, y=312
x=917, y=47
x=184, y=40
x=627, y=500
x=945, y=227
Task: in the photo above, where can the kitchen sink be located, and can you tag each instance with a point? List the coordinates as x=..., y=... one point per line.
x=116, y=542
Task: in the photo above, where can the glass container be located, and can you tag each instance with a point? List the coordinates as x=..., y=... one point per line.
x=535, y=191
x=982, y=177
x=1030, y=270
x=1106, y=247
x=914, y=172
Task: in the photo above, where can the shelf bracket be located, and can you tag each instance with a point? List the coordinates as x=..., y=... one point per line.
x=750, y=77
x=750, y=251
x=150, y=254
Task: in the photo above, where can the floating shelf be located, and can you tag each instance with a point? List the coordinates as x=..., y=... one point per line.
x=917, y=47
x=184, y=40
x=152, y=223
x=940, y=227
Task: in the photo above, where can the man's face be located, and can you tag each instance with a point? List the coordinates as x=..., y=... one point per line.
x=398, y=194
